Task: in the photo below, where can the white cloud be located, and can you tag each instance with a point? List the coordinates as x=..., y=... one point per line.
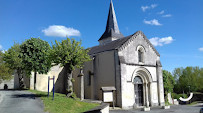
x=152, y=22
x=201, y=49
x=152, y=6
x=144, y=8
x=156, y=41
x=1, y=47
x=167, y=15
x=161, y=12
x=60, y=31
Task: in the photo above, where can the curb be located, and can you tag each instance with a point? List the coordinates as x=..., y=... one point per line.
x=103, y=108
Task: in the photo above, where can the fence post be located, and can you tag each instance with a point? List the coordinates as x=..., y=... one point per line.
x=53, y=86
x=48, y=85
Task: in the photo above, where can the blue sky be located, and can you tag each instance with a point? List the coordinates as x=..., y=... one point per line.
x=175, y=27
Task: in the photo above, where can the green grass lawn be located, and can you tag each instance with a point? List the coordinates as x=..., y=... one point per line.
x=62, y=104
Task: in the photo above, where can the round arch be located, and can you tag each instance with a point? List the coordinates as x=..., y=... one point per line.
x=140, y=47
x=143, y=73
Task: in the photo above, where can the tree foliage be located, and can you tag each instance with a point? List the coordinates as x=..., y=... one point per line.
x=14, y=62
x=5, y=71
x=12, y=57
x=188, y=79
x=35, y=55
x=69, y=54
x=169, y=82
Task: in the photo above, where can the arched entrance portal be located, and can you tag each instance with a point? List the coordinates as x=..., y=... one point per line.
x=142, y=80
x=138, y=86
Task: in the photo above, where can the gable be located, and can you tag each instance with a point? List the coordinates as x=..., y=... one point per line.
x=135, y=35
x=128, y=51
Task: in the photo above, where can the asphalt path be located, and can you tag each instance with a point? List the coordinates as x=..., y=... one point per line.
x=14, y=101
x=173, y=109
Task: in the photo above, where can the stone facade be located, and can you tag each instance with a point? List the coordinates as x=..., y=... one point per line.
x=119, y=67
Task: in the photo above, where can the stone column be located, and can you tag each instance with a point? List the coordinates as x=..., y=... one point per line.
x=92, y=86
x=81, y=85
x=160, y=85
x=146, y=95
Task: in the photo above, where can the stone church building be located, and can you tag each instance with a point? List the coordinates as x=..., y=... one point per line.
x=130, y=64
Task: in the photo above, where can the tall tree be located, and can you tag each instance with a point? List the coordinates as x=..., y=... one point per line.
x=5, y=71
x=14, y=62
x=188, y=79
x=35, y=55
x=168, y=82
x=69, y=54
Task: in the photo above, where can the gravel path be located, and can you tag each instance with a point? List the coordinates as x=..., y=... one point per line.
x=12, y=101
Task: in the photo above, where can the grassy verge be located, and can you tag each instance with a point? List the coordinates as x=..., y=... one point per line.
x=193, y=103
x=62, y=104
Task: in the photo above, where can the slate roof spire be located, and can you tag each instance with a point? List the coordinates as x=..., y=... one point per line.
x=112, y=30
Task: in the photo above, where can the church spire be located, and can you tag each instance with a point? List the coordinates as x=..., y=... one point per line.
x=112, y=31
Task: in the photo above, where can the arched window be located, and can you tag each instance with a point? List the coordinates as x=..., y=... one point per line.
x=140, y=50
x=140, y=56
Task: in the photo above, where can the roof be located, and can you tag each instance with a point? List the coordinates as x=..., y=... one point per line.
x=109, y=46
x=112, y=29
x=118, y=44
x=108, y=88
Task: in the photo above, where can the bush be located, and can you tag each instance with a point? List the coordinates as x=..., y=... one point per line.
x=177, y=96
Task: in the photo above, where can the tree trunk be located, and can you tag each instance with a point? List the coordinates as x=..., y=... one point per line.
x=21, y=80
x=69, y=87
x=35, y=74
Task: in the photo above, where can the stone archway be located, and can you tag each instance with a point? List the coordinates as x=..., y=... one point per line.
x=144, y=75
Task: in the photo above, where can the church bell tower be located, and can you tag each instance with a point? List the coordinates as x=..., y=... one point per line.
x=112, y=31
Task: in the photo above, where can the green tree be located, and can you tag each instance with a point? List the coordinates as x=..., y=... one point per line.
x=188, y=79
x=169, y=82
x=14, y=62
x=69, y=54
x=35, y=56
x=5, y=71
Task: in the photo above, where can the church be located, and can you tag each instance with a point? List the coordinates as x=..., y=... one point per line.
x=130, y=64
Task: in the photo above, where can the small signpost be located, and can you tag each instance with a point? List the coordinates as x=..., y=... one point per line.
x=107, y=93
x=53, y=85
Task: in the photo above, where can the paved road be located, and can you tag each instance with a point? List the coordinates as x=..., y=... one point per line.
x=173, y=109
x=12, y=101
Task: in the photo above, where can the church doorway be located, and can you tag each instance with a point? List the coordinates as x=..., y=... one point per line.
x=138, y=87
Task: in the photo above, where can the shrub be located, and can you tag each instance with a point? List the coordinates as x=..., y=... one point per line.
x=177, y=96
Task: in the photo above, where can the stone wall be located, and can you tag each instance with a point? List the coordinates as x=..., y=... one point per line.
x=42, y=80
x=102, y=70
x=10, y=83
x=129, y=64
